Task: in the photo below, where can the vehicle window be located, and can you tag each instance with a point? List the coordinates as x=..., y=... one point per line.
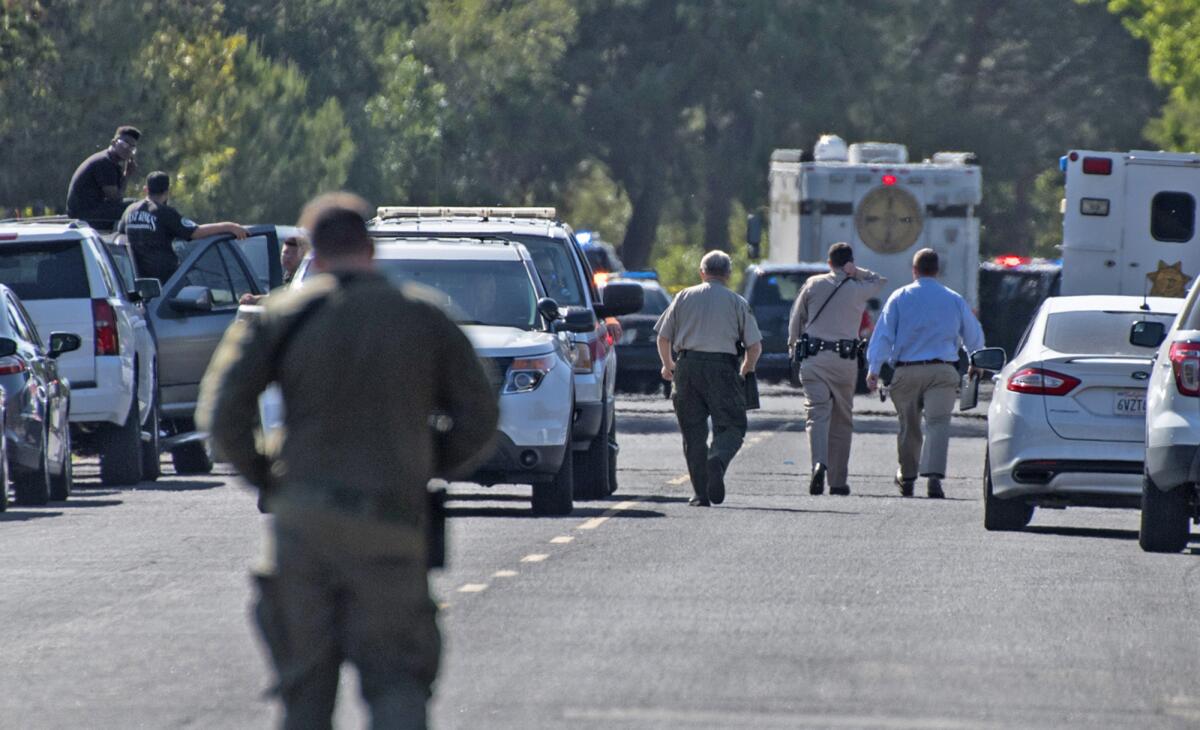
x=106, y=273
x=241, y=282
x=556, y=268
x=1099, y=333
x=22, y=323
x=1173, y=217
x=779, y=288
x=655, y=302
x=209, y=271
x=497, y=293
x=45, y=270
x=258, y=254
x=124, y=264
x=34, y=336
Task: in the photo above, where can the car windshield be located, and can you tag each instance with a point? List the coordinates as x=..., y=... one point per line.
x=778, y=288
x=496, y=293
x=1099, y=332
x=45, y=270
x=655, y=302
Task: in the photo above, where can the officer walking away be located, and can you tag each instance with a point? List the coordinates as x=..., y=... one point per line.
x=291, y=254
x=919, y=332
x=364, y=369
x=698, y=342
x=97, y=189
x=823, y=330
x=151, y=225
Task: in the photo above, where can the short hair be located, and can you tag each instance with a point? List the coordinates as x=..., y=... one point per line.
x=926, y=262
x=337, y=224
x=158, y=182
x=300, y=241
x=840, y=254
x=716, y=263
x=126, y=130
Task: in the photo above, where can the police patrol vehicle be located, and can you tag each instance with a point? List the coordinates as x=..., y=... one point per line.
x=1129, y=222
x=888, y=208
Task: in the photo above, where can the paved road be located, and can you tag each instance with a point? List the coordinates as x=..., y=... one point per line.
x=126, y=608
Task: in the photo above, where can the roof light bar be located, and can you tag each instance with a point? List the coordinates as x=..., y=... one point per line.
x=421, y=211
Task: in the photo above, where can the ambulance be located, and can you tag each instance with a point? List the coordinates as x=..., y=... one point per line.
x=1129, y=222
x=870, y=195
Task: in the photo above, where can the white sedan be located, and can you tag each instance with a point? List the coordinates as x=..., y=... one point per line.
x=1066, y=426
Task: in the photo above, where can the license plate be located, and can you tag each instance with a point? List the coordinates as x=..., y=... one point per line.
x=1130, y=403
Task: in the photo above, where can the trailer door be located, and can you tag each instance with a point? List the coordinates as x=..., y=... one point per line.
x=1160, y=254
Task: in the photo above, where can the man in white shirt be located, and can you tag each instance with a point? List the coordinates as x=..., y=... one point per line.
x=919, y=333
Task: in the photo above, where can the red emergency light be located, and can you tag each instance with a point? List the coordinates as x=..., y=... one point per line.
x=1097, y=165
x=1012, y=260
x=8, y=236
x=889, y=179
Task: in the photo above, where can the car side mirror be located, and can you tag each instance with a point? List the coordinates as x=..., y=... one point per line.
x=1147, y=333
x=754, y=234
x=548, y=308
x=63, y=342
x=577, y=320
x=147, y=289
x=620, y=297
x=8, y=346
x=989, y=358
x=192, y=299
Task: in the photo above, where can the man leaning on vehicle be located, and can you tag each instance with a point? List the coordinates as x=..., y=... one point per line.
x=363, y=369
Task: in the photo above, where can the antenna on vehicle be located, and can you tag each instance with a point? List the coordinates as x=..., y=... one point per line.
x=1145, y=295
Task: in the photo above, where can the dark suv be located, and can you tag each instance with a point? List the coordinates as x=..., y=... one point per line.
x=771, y=290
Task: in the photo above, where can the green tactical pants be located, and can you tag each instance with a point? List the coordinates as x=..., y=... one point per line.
x=338, y=594
x=707, y=385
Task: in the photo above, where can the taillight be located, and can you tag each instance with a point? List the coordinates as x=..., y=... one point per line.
x=104, y=319
x=583, y=357
x=865, y=326
x=11, y=365
x=1185, y=362
x=1036, y=381
x=1097, y=165
x=526, y=373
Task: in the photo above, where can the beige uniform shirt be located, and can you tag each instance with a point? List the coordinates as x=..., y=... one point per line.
x=708, y=317
x=841, y=319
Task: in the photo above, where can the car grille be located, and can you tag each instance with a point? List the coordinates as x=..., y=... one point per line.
x=497, y=369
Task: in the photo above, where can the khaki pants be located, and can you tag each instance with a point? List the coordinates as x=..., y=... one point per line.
x=928, y=390
x=828, y=381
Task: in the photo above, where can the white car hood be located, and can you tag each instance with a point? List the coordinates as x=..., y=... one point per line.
x=492, y=341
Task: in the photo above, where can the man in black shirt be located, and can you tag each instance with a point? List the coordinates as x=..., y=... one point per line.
x=151, y=225
x=97, y=187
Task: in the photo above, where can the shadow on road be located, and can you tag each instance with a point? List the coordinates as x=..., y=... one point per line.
x=484, y=497
x=165, y=485
x=85, y=503
x=790, y=509
x=23, y=516
x=527, y=513
x=1067, y=531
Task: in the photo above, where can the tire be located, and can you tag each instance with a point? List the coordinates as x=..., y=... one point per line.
x=121, y=450
x=33, y=487
x=556, y=497
x=613, y=450
x=63, y=483
x=1166, y=518
x=1002, y=515
x=192, y=458
x=3, y=476
x=151, y=450
x=592, y=467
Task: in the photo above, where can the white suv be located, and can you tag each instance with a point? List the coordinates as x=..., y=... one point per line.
x=1169, y=492
x=68, y=282
x=564, y=274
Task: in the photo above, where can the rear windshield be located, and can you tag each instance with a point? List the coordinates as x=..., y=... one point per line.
x=497, y=293
x=556, y=267
x=1099, y=333
x=655, y=302
x=780, y=288
x=45, y=270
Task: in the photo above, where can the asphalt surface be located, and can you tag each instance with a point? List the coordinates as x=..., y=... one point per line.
x=127, y=608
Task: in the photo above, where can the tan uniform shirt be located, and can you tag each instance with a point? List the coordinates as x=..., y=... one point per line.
x=841, y=319
x=708, y=317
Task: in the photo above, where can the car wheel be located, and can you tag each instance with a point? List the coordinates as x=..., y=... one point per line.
x=192, y=458
x=151, y=450
x=121, y=450
x=33, y=486
x=613, y=450
x=1165, y=518
x=556, y=497
x=63, y=483
x=3, y=476
x=1002, y=515
x=592, y=467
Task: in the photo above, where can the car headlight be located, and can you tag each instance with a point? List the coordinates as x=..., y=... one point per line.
x=527, y=373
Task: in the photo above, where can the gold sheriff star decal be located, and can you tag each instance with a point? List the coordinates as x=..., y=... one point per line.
x=1168, y=281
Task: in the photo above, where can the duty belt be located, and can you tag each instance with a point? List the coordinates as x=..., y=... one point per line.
x=906, y=363
x=383, y=507
x=847, y=349
x=710, y=356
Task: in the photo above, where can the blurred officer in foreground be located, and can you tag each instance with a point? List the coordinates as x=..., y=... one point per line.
x=363, y=368
x=919, y=332
x=698, y=341
x=823, y=330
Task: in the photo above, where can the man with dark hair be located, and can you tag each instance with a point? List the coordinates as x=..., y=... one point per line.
x=97, y=189
x=919, y=332
x=823, y=334
x=345, y=575
x=698, y=339
x=151, y=225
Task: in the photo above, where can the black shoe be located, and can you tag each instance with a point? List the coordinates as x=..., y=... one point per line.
x=934, y=490
x=906, y=485
x=817, y=485
x=842, y=491
x=715, y=475
x=697, y=502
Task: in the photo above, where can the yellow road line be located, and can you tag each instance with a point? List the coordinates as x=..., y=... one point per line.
x=534, y=558
x=504, y=574
x=562, y=540
x=678, y=480
x=472, y=588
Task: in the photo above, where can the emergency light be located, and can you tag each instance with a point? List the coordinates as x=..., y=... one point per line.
x=1097, y=165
